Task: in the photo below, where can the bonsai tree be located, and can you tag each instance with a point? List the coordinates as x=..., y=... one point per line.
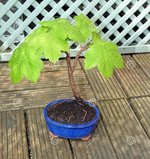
x=52, y=39
x=49, y=41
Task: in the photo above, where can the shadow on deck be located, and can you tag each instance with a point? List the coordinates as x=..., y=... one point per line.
x=124, y=101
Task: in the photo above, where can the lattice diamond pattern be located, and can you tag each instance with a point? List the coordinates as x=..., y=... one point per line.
x=126, y=22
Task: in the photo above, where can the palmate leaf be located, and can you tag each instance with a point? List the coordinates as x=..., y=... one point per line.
x=64, y=29
x=85, y=25
x=54, y=24
x=105, y=56
x=37, y=33
x=25, y=63
x=50, y=44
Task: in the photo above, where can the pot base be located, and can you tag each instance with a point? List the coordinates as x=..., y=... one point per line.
x=86, y=138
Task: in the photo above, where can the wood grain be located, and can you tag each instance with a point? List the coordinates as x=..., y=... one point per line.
x=134, y=82
x=141, y=107
x=48, y=67
x=125, y=131
x=40, y=97
x=47, y=80
x=41, y=143
x=99, y=146
x=143, y=61
x=13, y=139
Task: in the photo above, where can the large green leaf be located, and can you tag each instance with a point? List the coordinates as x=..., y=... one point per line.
x=36, y=33
x=64, y=29
x=25, y=63
x=50, y=44
x=85, y=25
x=56, y=26
x=105, y=56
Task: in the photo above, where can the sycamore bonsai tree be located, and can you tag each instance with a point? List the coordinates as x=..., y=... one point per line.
x=52, y=39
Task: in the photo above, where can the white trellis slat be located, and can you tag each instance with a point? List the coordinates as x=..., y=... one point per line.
x=124, y=18
x=127, y=22
x=132, y=24
x=26, y=23
x=142, y=42
x=5, y=8
x=135, y=35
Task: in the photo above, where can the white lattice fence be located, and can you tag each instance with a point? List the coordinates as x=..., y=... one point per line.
x=126, y=22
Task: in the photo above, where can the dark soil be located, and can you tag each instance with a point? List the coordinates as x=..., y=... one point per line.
x=71, y=112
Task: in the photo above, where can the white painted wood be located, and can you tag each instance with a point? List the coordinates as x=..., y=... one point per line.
x=134, y=49
x=26, y=22
x=134, y=36
x=114, y=14
x=124, y=50
x=5, y=8
x=143, y=41
x=124, y=18
x=133, y=24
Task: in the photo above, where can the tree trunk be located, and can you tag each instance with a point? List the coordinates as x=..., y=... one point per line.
x=71, y=78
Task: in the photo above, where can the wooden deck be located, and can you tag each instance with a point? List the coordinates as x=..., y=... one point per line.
x=124, y=101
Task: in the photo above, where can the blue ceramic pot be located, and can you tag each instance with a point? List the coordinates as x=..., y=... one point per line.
x=71, y=131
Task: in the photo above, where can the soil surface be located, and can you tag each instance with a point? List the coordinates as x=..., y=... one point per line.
x=71, y=112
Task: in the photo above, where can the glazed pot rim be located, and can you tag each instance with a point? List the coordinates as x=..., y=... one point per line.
x=83, y=125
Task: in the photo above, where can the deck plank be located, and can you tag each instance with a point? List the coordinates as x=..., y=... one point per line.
x=47, y=80
x=13, y=144
x=4, y=134
x=41, y=144
x=141, y=106
x=132, y=79
x=97, y=147
x=103, y=88
x=1, y=136
x=48, y=67
x=125, y=132
x=40, y=97
x=144, y=61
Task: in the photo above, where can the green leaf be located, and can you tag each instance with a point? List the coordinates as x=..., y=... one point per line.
x=16, y=74
x=64, y=29
x=85, y=25
x=36, y=32
x=95, y=37
x=51, y=38
x=48, y=23
x=105, y=56
x=25, y=63
x=51, y=45
x=56, y=26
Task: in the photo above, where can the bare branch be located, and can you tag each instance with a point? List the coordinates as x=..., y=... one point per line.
x=83, y=48
x=71, y=78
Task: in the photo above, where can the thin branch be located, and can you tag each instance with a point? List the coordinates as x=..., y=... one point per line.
x=71, y=78
x=83, y=48
x=68, y=61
